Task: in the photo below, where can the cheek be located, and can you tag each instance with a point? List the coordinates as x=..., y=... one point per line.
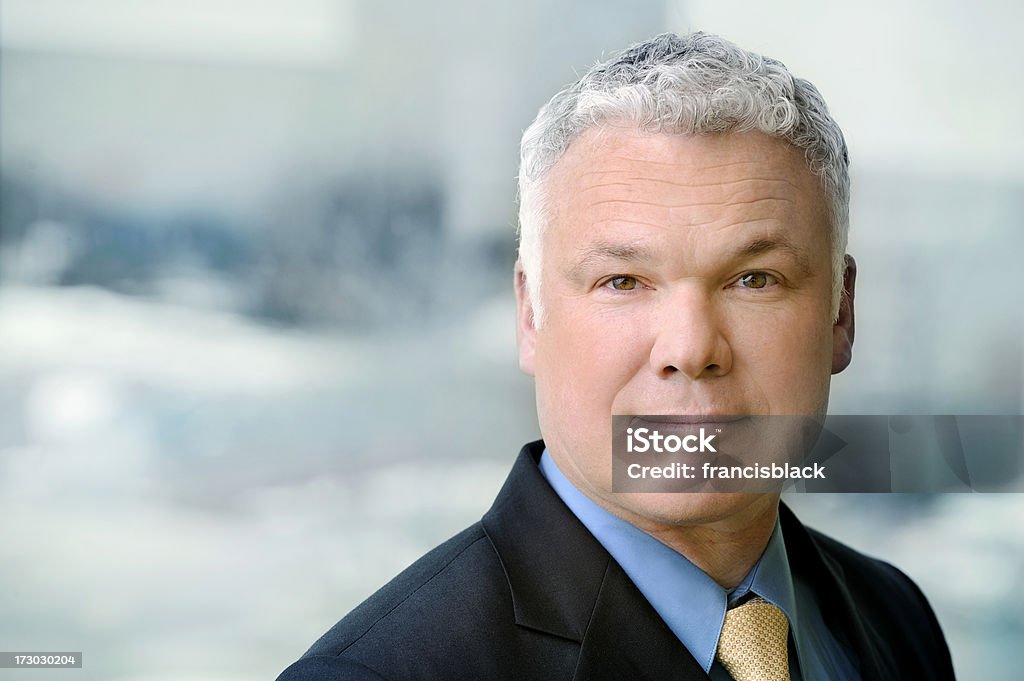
x=584, y=360
x=791, y=356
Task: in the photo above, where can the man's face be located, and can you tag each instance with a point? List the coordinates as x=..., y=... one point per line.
x=681, y=275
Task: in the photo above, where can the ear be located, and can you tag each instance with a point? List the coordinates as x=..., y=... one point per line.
x=526, y=332
x=842, y=329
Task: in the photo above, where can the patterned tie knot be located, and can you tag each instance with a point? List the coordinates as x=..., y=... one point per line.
x=752, y=646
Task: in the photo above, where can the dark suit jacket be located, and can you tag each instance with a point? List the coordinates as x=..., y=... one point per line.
x=528, y=593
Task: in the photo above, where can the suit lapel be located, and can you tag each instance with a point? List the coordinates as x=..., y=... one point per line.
x=554, y=566
x=808, y=558
x=565, y=584
x=627, y=639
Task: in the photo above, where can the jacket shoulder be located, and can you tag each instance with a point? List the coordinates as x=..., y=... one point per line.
x=437, y=576
x=870, y=577
x=328, y=668
x=892, y=606
x=449, y=615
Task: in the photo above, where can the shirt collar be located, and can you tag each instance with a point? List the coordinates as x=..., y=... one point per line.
x=691, y=603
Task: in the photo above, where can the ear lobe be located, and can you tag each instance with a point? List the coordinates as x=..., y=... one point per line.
x=843, y=328
x=526, y=332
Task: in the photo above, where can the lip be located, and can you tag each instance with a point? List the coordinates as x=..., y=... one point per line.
x=688, y=424
x=690, y=419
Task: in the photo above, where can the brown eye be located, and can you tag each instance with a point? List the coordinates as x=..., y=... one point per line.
x=756, y=280
x=623, y=283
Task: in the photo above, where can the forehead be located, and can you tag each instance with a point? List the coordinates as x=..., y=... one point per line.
x=618, y=178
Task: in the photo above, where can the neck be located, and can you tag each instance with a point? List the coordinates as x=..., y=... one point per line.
x=723, y=534
x=726, y=549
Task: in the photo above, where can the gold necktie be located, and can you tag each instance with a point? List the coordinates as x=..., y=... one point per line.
x=752, y=646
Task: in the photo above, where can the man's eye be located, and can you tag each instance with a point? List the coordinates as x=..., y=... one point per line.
x=625, y=283
x=757, y=280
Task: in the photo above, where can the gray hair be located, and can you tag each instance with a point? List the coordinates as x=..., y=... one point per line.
x=694, y=84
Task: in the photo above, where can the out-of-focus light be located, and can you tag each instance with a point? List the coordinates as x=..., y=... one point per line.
x=310, y=33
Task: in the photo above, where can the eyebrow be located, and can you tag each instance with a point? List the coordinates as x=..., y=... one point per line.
x=604, y=250
x=778, y=243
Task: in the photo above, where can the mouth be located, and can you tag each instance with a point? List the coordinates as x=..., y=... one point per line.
x=683, y=425
x=690, y=419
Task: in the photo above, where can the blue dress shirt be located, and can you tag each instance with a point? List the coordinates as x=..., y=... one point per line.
x=693, y=605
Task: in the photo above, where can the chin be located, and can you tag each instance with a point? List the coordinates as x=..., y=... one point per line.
x=696, y=508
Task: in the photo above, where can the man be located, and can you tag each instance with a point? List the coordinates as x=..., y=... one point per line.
x=684, y=210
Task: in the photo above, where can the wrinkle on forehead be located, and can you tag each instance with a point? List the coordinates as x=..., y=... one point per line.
x=688, y=180
x=674, y=214
x=661, y=204
x=603, y=180
x=627, y=180
x=632, y=180
x=617, y=149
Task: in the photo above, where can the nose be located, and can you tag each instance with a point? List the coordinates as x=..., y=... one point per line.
x=689, y=339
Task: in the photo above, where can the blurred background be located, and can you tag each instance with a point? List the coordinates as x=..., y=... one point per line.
x=255, y=268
